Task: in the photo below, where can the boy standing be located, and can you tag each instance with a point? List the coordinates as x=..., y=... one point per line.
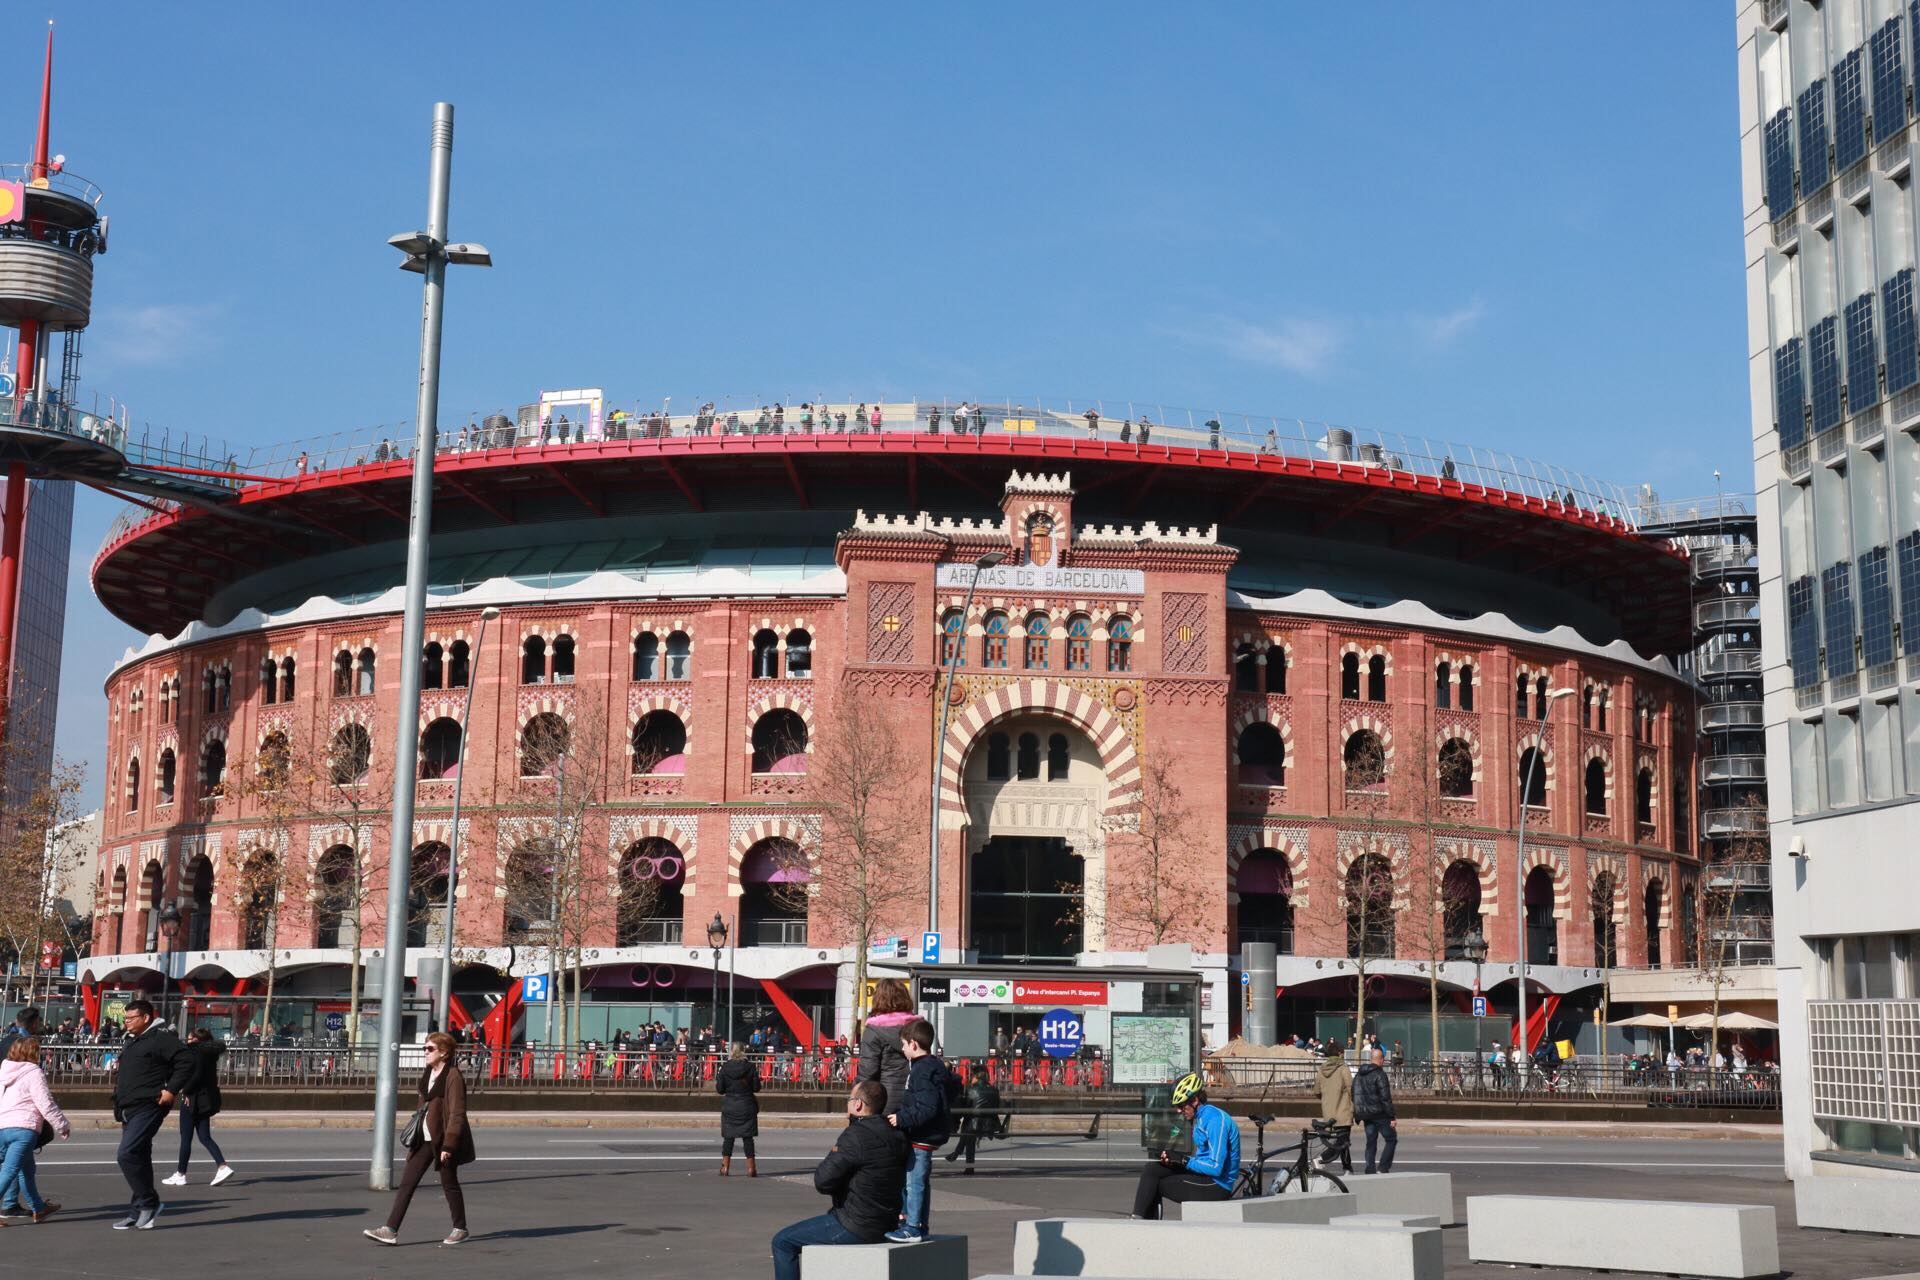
x=923, y=1116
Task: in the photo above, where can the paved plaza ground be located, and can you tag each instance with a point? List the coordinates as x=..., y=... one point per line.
x=645, y=1202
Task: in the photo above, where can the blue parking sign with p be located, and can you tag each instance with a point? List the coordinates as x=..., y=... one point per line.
x=533, y=988
x=929, y=948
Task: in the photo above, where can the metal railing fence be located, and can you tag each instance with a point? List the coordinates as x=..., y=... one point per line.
x=1472, y=1078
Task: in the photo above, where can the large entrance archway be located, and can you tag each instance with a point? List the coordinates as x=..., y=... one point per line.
x=1035, y=792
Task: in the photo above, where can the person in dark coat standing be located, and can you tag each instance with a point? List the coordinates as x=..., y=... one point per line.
x=880, y=1055
x=445, y=1142
x=1373, y=1107
x=198, y=1106
x=865, y=1173
x=736, y=1083
x=982, y=1097
x=153, y=1069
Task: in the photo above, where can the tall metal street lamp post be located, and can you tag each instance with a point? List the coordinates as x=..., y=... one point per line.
x=444, y=996
x=170, y=930
x=428, y=253
x=980, y=566
x=1473, y=947
x=717, y=939
x=1520, y=874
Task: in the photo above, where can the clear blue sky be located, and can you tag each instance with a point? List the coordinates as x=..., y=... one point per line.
x=1511, y=224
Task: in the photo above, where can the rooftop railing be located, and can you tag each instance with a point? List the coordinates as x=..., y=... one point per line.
x=1736, y=507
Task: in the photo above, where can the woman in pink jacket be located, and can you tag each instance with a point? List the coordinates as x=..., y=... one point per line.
x=25, y=1101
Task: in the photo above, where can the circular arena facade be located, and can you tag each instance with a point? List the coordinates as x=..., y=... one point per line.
x=1295, y=680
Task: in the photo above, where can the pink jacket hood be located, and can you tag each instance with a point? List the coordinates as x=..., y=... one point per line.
x=892, y=1019
x=25, y=1099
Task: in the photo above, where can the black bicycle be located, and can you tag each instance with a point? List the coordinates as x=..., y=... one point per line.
x=1300, y=1173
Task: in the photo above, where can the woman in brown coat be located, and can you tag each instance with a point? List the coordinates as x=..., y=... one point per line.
x=445, y=1142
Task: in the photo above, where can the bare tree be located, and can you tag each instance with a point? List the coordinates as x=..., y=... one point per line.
x=349, y=791
x=33, y=860
x=1433, y=900
x=1600, y=893
x=1150, y=896
x=863, y=877
x=266, y=865
x=1720, y=919
x=1367, y=898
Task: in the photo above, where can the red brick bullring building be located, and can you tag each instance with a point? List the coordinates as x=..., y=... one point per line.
x=1335, y=659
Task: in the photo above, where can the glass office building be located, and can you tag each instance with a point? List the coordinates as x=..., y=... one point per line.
x=35, y=701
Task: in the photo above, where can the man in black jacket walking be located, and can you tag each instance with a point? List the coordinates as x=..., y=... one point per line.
x=865, y=1173
x=154, y=1067
x=1373, y=1106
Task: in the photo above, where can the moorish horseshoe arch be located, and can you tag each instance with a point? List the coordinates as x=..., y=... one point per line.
x=1044, y=697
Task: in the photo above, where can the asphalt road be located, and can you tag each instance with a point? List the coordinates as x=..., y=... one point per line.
x=617, y=1202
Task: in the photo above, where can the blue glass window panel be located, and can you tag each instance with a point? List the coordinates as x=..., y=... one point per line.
x=1803, y=633
x=1876, y=609
x=1813, y=136
x=1896, y=311
x=1849, y=113
x=1779, y=147
x=1789, y=397
x=1908, y=549
x=1863, y=368
x=1889, y=80
x=1823, y=359
x=1836, y=612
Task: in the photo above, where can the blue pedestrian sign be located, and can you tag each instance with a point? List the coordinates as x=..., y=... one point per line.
x=1246, y=978
x=533, y=988
x=929, y=948
x=1061, y=1033
x=1479, y=1006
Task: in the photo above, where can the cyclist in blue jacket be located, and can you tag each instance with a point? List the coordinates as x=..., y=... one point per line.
x=1207, y=1174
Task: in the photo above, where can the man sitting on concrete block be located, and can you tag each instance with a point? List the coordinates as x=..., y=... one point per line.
x=865, y=1173
x=1207, y=1174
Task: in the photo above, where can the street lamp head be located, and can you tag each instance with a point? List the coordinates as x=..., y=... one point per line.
x=989, y=560
x=489, y=613
x=415, y=244
x=1475, y=947
x=170, y=920
x=1555, y=694
x=717, y=932
x=469, y=255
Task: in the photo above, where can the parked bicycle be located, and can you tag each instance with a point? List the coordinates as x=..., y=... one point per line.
x=1302, y=1172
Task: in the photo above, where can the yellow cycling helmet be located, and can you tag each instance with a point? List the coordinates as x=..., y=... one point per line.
x=1188, y=1088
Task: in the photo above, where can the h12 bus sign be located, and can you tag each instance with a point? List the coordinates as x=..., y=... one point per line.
x=1061, y=1033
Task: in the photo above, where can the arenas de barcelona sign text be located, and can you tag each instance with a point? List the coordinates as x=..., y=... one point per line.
x=1044, y=578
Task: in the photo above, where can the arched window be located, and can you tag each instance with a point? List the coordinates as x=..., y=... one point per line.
x=1276, y=668
x=1533, y=777
x=1543, y=932
x=1246, y=669
x=335, y=879
x=213, y=767
x=459, y=665
x=1350, y=675
x=269, y=682
x=1466, y=686
x=766, y=655
x=1596, y=788
x=433, y=665
x=343, y=674
x=152, y=882
x=1377, y=678
x=952, y=650
x=993, y=645
x=543, y=744
x=226, y=688
x=1586, y=707
x=365, y=671
x=1263, y=756
x=1058, y=763
x=999, y=757
x=1651, y=906
x=646, y=656
x=651, y=904
x=773, y=897
x=1443, y=685
x=169, y=769
x=350, y=755
x=1265, y=886
x=136, y=703
x=533, y=660
x=1601, y=710
x=1689, y=928
x=563, y=659
x=1520, y=686
x=659, y=745
x=1027, y=757
x=1365, y=758
x=440, y=749
x=209, y=691
x=529, y=893
x=286, y=679
x=799, y=655
x=427, y=894
x=1606, y=942
x=133, y=784
x=780, y=742
x=1540, y=698
x=1455, y=768
x=1079, y=642
x=1369, y=908
x=1460, y=908
x=200, y=884
x=275, y=761
x=679, y=650
x=166, y=703
x=1037, y=642
x=1120, y=644
x=1643, y=797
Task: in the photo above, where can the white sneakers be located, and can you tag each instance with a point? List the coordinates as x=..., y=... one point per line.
x=174, y=1180
x=221, y=1174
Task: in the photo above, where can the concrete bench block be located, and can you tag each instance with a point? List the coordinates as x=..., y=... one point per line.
x=1890, y=1205
x=1137, y=1250
x=1427, y=1195
x=1672, y=1236
x=1319, y=1207
x=1386, y=1220
x=936, y=1258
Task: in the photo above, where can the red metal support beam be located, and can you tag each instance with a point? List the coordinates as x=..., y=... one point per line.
x=1253, y=495
x=793, y=478
x=464, y=491
x=328, y=527
x=964, y=479
x=1353, y=506
x=680, y=483
x=567, y=483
